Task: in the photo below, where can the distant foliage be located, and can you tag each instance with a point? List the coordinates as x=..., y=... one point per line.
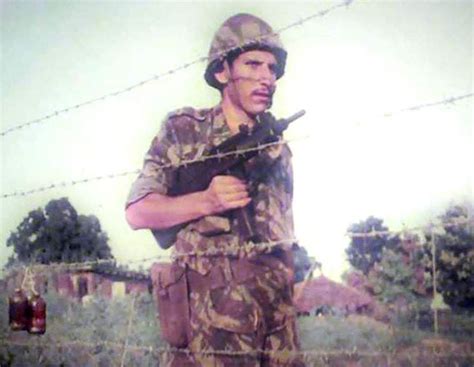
x=393, y=278
x=363, y=253
x=58, y=233
x=455, y=260
x=302, y=262
x=391, y=268
x=399, y=282
x=398, y=270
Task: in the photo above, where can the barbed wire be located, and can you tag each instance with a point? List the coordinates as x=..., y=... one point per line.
x=69, y=183
x=307, y=354
x=184, y=66
x=60, y=265
x=256, y=352
x=181, y=163
x=237, y=249
x=247, y=248
x=442, y=102
x=447, y=101
x=451, y=223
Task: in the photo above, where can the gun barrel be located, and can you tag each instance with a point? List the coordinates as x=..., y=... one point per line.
x=297, y=115
x=282, y=124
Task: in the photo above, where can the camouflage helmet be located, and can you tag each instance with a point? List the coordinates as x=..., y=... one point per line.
x=240, y=33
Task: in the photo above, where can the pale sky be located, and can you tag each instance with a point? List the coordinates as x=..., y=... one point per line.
x=346, y=69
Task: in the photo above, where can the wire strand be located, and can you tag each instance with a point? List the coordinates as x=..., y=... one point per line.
x=182, y=163
x=272, y=353
x=240, y=249
x=235, y=250
x=184, y=66
x=452, y=223
x=447, y=101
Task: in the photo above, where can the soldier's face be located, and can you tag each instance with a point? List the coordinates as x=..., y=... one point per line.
x=251, y=81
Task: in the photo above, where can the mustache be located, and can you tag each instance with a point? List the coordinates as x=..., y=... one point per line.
x=270, y=90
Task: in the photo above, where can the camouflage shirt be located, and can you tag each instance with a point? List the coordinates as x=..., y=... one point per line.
x=188, y=134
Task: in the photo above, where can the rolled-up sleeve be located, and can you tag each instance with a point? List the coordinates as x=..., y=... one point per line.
x=159, y=167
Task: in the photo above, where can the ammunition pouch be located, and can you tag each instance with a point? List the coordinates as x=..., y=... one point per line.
x=170, y=290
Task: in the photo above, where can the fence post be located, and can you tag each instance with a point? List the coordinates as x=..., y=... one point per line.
x=433, y=253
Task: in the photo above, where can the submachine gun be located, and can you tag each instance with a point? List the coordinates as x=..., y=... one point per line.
x=228, y=158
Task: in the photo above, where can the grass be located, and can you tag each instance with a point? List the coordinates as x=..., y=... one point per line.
x=94, y=334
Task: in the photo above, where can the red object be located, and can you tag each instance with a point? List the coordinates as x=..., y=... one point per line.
x=322, y=291
x=37, y=313
x=18, y=311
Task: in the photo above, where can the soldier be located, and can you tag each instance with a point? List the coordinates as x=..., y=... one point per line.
x=222, y=294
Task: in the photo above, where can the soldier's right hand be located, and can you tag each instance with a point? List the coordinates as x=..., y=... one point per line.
x=226, y=192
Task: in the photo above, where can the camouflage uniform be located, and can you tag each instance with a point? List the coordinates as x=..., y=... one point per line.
x=240, y=298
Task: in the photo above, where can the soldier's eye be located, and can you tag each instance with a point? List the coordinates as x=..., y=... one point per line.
x=273, y=68
x=253, y=63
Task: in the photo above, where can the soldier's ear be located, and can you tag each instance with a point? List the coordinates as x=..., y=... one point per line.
x=223, y=76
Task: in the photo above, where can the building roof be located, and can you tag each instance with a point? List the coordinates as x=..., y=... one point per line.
x=321, y=291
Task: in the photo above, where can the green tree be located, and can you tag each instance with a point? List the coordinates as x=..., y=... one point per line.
x=399, y=280
x=393, y=279
x=58, y=233
x=363, y=252
x=390, y=267
x=454, y=259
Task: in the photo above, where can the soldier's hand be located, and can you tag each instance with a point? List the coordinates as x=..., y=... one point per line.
x=226, y=192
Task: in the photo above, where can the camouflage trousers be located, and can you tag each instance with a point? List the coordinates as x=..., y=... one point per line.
x=241, y=314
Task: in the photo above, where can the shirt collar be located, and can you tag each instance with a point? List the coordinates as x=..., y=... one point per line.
x=219, y=129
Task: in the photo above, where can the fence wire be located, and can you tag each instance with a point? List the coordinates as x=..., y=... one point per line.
x=182, y=163
x=184, y=66
x=444, y=102
x=232, y=250
x=255, y=352
x=374, y=233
